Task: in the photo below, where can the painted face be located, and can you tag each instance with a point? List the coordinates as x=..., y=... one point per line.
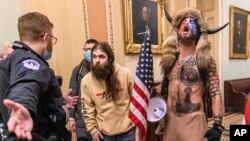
x=100, y=58
x=188, y=26
x=188, y=31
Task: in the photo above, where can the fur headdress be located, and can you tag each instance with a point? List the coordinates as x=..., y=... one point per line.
x=203, y=45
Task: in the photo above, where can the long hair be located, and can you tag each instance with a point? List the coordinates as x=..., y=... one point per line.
x=112, y=82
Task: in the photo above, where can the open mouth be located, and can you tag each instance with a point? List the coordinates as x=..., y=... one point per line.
x=186, y=29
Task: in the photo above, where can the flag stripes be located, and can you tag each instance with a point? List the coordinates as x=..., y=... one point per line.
x=142, y=88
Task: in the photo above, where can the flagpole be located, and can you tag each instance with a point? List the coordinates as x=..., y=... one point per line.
x=147, y=28
x=142, y=89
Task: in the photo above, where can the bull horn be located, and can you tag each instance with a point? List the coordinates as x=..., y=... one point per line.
x=215, y=30
x=169, y=18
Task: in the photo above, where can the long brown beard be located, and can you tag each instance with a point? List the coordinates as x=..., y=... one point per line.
x=107, y=74
x=100, y=72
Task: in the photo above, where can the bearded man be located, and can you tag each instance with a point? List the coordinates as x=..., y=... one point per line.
x=189, y=76
x=75, y=122
x=106, y=91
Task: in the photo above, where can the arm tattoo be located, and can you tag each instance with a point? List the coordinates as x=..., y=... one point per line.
x=214, y=83
x=214, y=90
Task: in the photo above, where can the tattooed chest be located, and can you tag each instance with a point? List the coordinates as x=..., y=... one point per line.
x=186, y=76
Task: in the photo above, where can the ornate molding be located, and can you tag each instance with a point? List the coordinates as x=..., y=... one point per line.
x=109, y=23
x=85, y=19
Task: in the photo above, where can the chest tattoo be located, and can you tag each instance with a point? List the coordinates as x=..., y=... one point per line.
x=188, y=76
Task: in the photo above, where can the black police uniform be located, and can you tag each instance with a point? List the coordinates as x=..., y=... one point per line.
x=27, y=79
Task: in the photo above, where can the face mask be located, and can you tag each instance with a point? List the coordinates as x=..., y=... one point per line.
x=87, y=55
x=47, y=55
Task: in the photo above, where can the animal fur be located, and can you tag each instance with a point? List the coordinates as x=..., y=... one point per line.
x=170, y=45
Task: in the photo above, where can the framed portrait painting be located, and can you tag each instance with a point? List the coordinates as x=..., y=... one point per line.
x=140, y=15
x=239, y=33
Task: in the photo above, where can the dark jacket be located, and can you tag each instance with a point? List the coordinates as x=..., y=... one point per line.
x=75, y=82
x=27, y=79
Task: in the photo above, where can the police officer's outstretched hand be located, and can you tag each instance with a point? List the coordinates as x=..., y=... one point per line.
x=20, y=121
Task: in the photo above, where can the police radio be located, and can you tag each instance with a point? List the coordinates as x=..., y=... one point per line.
x=59, y=79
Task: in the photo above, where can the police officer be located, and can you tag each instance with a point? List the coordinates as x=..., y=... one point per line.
x=31, y=101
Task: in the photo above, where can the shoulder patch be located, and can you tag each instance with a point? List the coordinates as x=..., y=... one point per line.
x=31, y=64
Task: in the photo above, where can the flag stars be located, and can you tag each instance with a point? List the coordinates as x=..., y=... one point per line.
x=144, y=72
x=145, y=64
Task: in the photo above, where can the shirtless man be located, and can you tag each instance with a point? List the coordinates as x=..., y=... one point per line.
x=189, y=75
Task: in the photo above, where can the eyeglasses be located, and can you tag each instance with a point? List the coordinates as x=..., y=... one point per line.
x=53, y=39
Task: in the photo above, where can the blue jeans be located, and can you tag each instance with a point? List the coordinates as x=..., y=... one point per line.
x=128, y=136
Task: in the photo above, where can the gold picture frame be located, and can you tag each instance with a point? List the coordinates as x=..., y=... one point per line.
x=239, y=33
x=132, y=9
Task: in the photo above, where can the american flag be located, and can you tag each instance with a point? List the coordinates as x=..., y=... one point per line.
x=142, y=88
